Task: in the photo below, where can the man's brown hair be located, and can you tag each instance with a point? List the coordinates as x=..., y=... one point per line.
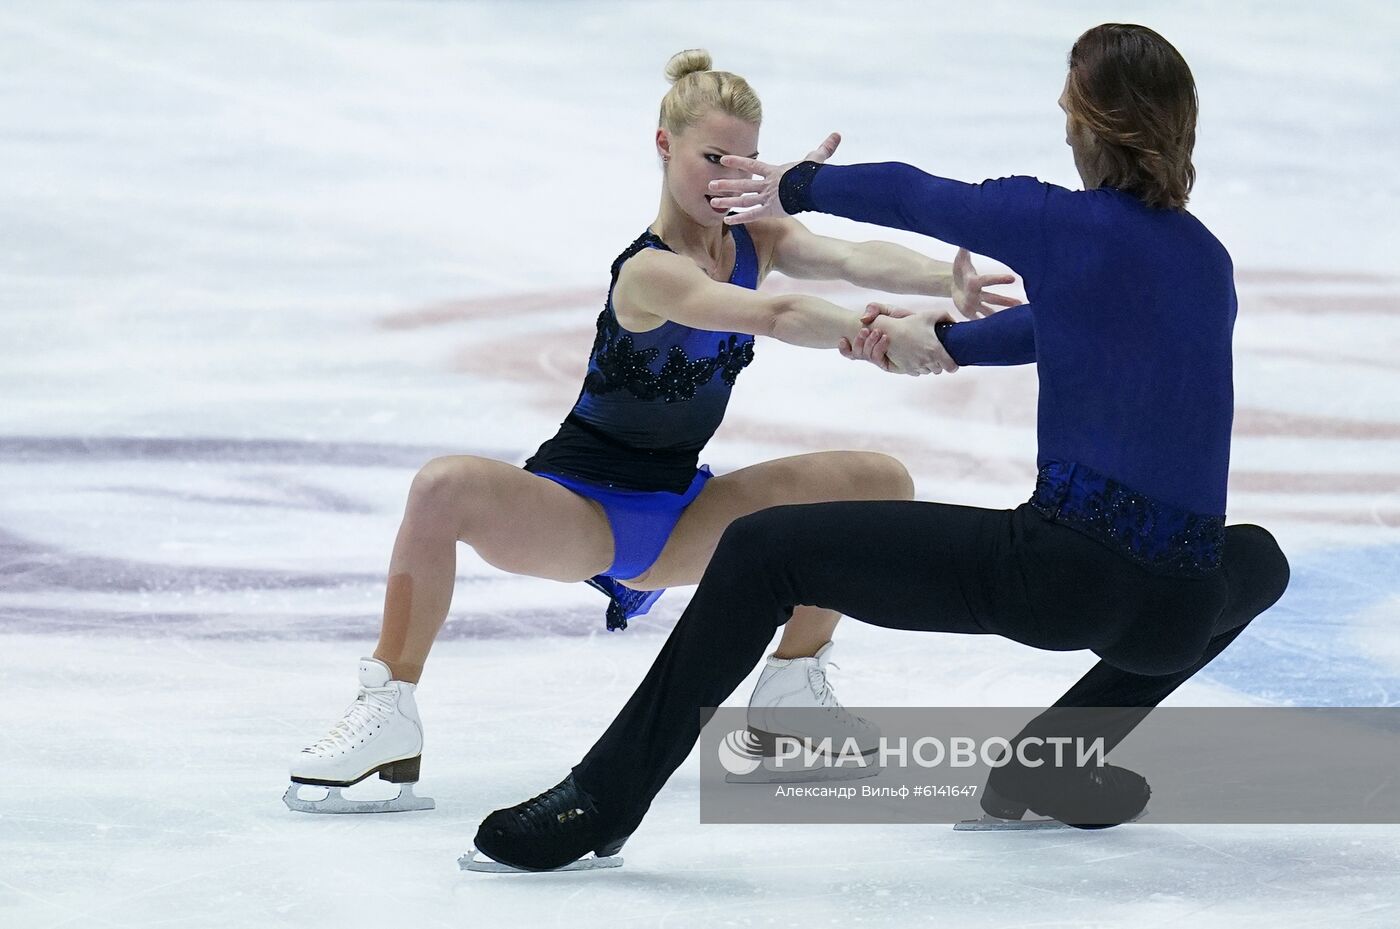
x=1135, y=94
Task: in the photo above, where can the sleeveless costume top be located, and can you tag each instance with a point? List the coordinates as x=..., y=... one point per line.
x=650, y=400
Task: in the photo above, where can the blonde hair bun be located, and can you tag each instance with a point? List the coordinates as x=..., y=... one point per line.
x=687, y=102
x=687, y=62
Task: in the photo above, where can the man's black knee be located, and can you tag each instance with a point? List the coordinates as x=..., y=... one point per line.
x=758, y=534
x=761, y=549
x=1253, y=554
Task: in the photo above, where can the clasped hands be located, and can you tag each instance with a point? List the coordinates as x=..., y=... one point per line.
x=901, y=341
x=905, y=342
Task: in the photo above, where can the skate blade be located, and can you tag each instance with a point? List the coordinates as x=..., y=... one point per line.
x=335, y=802
x=989, y=823
x=769, y=774
x=471, y=862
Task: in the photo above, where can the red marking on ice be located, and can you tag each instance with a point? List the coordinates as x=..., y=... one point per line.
x=1324, y=517
x=1320, y=305
x=1250, y=421
x=555, y=361
x=455, y=311
x=1327, y=358
x=1316, y=482
x=1294, y=276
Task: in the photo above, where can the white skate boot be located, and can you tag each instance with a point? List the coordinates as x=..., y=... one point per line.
x=793, y=699
x=380, y=734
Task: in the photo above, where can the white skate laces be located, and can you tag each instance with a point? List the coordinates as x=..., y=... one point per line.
x=821, y=684
x=820, y=681
x=788, y=693
x=370, y=711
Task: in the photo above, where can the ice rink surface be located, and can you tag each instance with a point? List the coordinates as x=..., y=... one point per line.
x=260, y=261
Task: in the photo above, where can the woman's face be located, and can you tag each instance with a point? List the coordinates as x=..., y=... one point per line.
x=694, y=161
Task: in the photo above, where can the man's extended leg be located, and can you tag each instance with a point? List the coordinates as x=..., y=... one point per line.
x=905, y=565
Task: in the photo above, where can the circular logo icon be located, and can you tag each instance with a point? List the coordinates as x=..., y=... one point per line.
x=739, y=752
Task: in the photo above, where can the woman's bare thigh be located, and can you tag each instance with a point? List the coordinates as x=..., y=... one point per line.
x=820, y=477
x=518, y=521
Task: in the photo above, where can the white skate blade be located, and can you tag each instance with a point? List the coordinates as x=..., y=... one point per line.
x=767, y=773
x=335, y=802
x=474, y=860
x=793, y=773
x=989, y=823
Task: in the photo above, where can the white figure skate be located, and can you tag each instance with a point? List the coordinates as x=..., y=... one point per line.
x=794, y=700
x=380, y=734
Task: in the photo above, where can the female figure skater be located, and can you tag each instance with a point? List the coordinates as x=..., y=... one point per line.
x=1122, y=549
x=616, y=496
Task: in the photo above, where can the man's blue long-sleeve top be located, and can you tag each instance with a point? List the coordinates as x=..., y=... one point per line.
x=1130, y=316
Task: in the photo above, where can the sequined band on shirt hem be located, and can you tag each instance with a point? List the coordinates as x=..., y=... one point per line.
x=1158, y=536
x=794, y=190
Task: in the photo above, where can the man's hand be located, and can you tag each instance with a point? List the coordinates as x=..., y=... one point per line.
x=758, y=198
x=968, y=286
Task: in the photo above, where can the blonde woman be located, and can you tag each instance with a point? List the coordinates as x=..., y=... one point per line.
x=617, y=497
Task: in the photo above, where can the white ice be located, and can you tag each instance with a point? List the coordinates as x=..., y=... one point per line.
x=261, y=260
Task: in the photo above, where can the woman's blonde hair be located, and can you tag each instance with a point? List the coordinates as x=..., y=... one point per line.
x=696, y=90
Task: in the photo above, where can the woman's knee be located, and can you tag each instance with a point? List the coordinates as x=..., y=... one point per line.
x=881, y=476
x=889, y=474
x=441, y=491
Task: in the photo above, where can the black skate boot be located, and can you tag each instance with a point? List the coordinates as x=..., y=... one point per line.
x=1089, y=797
x=550, y=832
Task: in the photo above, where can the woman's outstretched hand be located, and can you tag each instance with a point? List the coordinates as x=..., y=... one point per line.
x=900, y=341
x=968, y=289
x=759, y=197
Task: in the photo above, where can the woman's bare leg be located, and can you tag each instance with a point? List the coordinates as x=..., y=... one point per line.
x=515, y=520
x=821, y=477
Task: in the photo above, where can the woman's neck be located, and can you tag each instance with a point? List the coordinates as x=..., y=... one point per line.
x=686, y=236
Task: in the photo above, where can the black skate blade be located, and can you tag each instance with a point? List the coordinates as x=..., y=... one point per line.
x=989, y=823
x=474, y=860
x=336, y=802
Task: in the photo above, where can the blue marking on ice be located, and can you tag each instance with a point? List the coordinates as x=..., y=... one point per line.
x=1303, y=651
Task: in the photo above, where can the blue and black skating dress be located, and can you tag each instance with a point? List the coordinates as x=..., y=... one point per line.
x=649, y=404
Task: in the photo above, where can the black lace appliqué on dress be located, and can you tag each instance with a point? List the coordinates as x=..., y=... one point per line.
x=732, y=357
x=622, y=366
x=619, y=362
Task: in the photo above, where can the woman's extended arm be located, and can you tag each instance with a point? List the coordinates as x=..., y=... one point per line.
x=800, y=253
x=668, y=286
